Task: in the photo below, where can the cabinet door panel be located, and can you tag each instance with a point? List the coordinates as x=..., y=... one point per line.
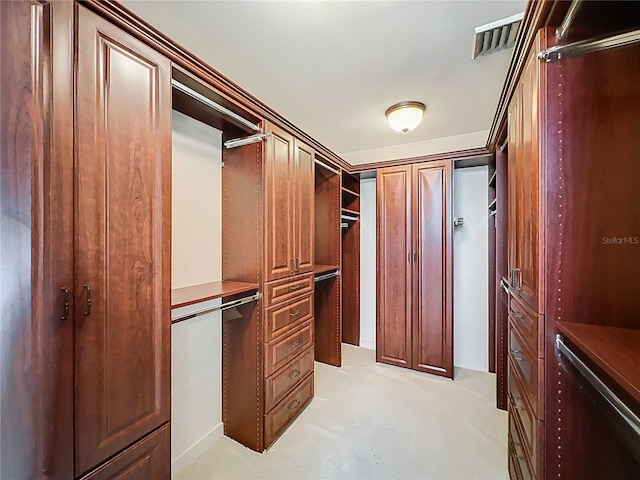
x=279, y=169
x=122, y=244
x=432, y=279
x=393, y=339
x=303, y=215
x=515, y=127
x=527, y=188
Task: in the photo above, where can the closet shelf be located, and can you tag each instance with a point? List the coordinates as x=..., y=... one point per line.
x=181, y=297
x=350, y=212
x=614, y=350
x=350, y=192
x=320, y=269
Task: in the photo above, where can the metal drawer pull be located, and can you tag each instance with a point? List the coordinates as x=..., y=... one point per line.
x=515, y=450
x=295, y=404
x=88, y=310
x=517, y=355
x=519, y=404
x=294, y=374
x=295, y=344
x=515, y=313
x=293, y=314
x=66, y=304
x=295, y=287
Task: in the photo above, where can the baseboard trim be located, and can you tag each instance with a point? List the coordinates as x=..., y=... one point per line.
x=369, y=345
x=186, y=458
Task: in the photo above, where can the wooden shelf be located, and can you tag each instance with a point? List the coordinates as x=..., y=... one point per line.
x=350, y=192
x=320, y=269
x=492, y=180
x=181, y=297
x=492, y=205
x=350, y=212
x=614, y=350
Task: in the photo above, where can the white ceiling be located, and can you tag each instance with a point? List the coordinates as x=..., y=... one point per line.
x=334, y=67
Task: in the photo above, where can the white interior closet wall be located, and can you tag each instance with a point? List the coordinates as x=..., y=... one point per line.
x=471, y=270
x=196, y=400
x=368, y=263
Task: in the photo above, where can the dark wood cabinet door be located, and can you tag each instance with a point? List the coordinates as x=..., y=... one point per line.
x=514, y=149
x=122, y=240
x=393, y=325
x=528, y=238
x=279, y=185
x=150, y=458
x=432, y=268
x=36, y=239
x=303, y=200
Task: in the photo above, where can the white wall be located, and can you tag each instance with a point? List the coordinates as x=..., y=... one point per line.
x=470, y=270
x=196, y=354
x=418, y=149
x=368, y=263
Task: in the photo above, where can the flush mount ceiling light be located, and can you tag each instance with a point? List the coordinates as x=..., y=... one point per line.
x=405, y=116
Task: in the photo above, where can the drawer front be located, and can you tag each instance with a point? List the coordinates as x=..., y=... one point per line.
x=278, y=385
x=529, y=323
x=287, y=410
x=281, y=318
x=287, y=288
x=528, y=368
x=284, y=349
x=514, y=462
x=522, y=415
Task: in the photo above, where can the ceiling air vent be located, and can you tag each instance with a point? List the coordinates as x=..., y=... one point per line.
x=496, y=36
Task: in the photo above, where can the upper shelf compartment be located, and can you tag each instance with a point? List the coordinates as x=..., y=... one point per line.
x=195, y=100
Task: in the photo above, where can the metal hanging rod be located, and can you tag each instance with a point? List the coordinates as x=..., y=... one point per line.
x=618, y=405
x=221, y=307
x=319, y=278
x=588, y=46
x=239, y=142
x=349, y=217
x=561, y=31
x=327, y=167
x=211, y=104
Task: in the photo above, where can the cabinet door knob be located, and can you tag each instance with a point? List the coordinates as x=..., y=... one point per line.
x=294, y=374
x=87, y=288
x=295, y=404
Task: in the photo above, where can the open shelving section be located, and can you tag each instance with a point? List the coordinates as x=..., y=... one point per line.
x=350, y=222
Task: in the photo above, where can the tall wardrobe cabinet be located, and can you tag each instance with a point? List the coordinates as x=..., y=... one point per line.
x=92, y=399
x=415, y=283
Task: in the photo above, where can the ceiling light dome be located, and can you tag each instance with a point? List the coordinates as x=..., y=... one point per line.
x=405, y=116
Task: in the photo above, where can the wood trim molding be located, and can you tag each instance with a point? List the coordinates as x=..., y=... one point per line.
x=538, y=14
x=467, y=154
x=136, y=26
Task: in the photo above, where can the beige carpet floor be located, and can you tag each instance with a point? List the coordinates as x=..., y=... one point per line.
x=374, y=421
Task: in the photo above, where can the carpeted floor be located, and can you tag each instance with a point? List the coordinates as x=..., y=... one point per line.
x=376, y=421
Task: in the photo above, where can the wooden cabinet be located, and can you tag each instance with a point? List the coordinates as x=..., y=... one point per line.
x=414, y=325
x=122, y=240
x=525, y=187
x=289, y=193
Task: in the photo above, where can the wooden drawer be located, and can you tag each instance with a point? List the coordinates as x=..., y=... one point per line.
x=147, y=458
x=283, y=349
x=278, y=385
x=287, y=288
x=283, y=317
x=529, y=369
x=522, y=415
x=287, y=410
x=529, y=324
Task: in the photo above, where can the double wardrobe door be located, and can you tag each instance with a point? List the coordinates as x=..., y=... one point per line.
x=415, y=283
